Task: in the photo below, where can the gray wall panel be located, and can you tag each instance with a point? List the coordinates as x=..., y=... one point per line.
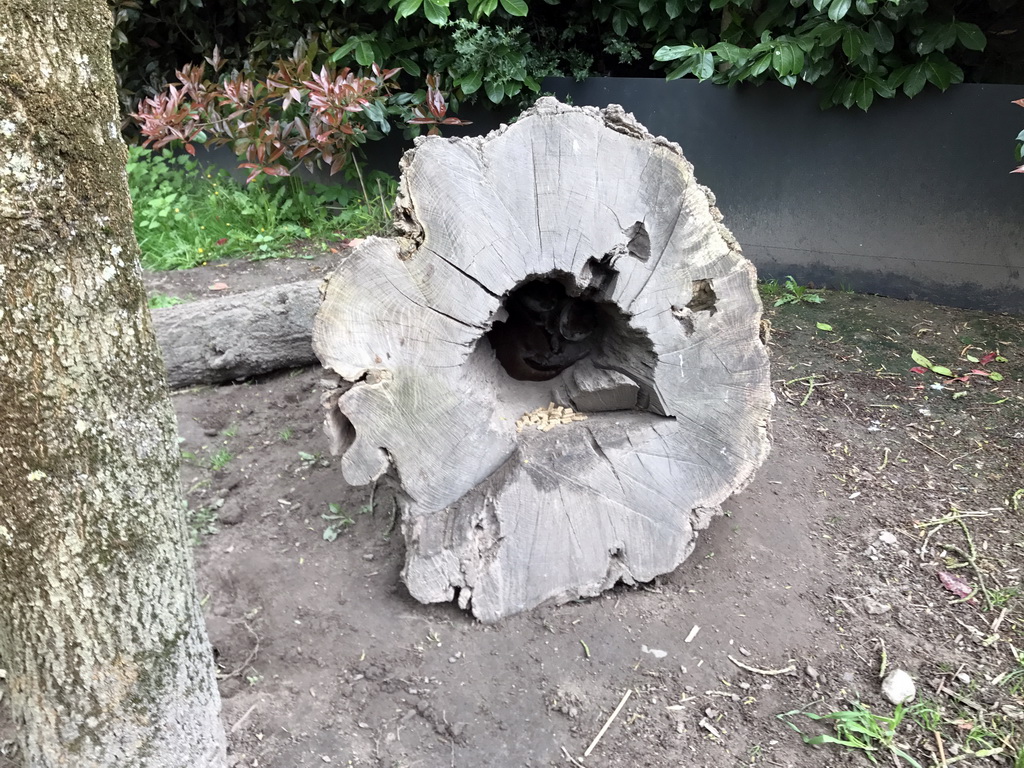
x=912, y=199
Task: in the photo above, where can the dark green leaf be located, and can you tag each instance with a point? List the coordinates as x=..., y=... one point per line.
x=828, y=33
x=495, y=91
x=673, y=52
x=727, y=51
x=646, y=5
x=761, y=64
x=787, y=59
x=410, y=66
x=406, y=8
x=864, y=94
x=881, y=87
x=941, y=72
x=705, y=66
x=915, y=80
x=970, y=36
x=881, y=36
x=471, y=83
x=620, y=23
x=838, y=9
x=514, y=7
x=675, y=74
x=673, y=8
x=364, y=54
x=855, y=43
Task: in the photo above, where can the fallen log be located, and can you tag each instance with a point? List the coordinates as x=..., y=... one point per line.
x=237, y=336
x=558, y=364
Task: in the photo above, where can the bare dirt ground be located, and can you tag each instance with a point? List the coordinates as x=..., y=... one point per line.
x=822, y=572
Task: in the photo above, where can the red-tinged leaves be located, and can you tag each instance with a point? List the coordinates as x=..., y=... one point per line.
x=328, y=113
x=1018, y=169
x=987, y=358
x=918, y=369
x=191, y=149
x=955, y=584
x=222, y=241
x=1018, y=102
x=979, y=372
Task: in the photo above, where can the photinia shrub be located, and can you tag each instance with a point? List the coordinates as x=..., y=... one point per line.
x=291, y=117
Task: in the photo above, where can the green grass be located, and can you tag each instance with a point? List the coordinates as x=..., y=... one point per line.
x=860, y=729
x=185, y=216
x=162, y=301
x=220, y=459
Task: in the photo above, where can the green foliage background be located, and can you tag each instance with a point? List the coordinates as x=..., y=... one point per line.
x=499, y=50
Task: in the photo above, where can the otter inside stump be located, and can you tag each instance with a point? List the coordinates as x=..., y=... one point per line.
x=557, y=364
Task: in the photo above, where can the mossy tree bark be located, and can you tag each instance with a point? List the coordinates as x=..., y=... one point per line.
x=101, y=633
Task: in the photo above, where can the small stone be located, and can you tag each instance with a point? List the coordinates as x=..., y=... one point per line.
x=963, y=677
x=811, y=672
x=887, y=538
x=368, y=556
x=874, y=607
x=898, y=687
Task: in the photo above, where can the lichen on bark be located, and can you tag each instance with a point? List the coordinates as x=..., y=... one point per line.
x=107, y=657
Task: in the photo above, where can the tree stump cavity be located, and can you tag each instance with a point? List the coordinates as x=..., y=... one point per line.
x=557, y=363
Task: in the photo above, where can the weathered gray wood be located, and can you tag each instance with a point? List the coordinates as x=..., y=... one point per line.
x=425, y=329
x=232, y=337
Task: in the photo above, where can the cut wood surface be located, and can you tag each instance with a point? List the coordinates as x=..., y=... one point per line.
x=567, y=269
x=236, y=336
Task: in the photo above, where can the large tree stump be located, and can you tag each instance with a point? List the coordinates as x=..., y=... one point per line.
x=568, y=259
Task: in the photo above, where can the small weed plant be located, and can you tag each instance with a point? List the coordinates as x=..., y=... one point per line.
x=186, y=216
x=220, y=459
x=337, y=522
x=860, y=729
x=203, y=521
x=791, y=292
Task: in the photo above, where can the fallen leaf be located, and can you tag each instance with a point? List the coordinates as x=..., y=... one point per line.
x=824, y=327
x=219, y=287
x=955, y=584
x=987, y=358
x=920, y=359
x=918, y=369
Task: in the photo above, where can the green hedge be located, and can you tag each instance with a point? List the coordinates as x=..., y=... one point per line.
x=499, y=50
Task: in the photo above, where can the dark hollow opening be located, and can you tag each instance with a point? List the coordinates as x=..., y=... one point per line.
x=546, y=330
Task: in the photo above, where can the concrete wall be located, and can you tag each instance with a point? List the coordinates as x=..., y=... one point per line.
x=912, y=199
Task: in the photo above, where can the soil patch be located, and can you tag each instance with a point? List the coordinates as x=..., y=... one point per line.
x=827, y=566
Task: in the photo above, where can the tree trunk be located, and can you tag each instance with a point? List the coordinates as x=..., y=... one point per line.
x=233, y=337
x=101, y=633
x=559, y=365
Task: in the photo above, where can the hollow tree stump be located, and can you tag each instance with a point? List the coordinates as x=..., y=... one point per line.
x=558, y=364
